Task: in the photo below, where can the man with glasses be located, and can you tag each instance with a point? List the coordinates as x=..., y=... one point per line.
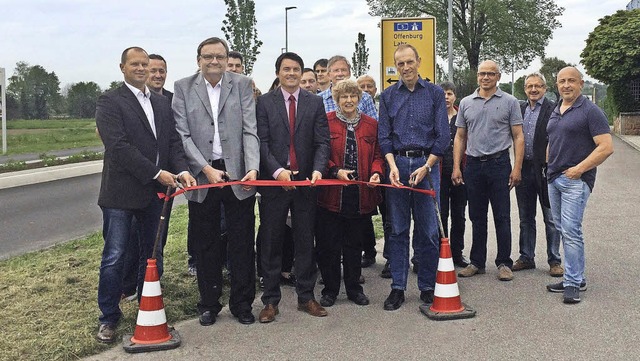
x=488, y=122
x=536, y=112
x=320, y=68
x=215, y=115
x=339, y=70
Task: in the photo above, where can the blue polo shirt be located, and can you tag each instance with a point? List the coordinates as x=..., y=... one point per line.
x=571, y=137
x=413, y=120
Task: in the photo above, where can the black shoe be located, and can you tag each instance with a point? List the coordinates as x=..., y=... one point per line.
x=207, y=318
x=426, y=296
x=461, y=261
x=361, y=279
x=106, y=333
x=288, y=281
x=367, y=261
x=245, y=317
x=571, y=294
x=327, y=300
x=415, y=268
x=359, y=299
x=386, y=271
x=394, y=301
x=559, y=287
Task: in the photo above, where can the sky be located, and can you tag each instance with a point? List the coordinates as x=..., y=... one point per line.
x=81, y=40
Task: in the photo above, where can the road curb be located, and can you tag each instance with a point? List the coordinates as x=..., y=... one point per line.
x=47, y=174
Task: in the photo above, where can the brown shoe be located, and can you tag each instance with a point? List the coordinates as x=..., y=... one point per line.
x=106, y=333
x=471, y=270
x=556, y=270
x=504, y=273
x=520, y=265
x=313, y=308
x=268, y=314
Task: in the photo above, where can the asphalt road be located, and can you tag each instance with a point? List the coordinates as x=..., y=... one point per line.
x=516, y=320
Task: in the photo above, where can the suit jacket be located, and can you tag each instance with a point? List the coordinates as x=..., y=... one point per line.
x=540, y=141
x=131, y=148
x=167, y=94
x=311, y=135
x=236, y=126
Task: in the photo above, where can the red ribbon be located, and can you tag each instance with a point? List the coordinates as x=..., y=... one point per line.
x=301, y=183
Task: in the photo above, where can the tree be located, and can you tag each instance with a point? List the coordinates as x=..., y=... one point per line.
x=36, y=90
x=509, y=31
x=114, y=85
x=239, y=29
x=550, y=68
x=360, y=59
x=81, y=99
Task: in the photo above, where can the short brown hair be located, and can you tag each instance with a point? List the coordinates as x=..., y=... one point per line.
x=346, y=86
x=213, y=40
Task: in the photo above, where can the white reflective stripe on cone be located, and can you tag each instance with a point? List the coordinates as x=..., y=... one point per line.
x=446, y=291
x=151, y=318
x=446, y=265
x=151, y=289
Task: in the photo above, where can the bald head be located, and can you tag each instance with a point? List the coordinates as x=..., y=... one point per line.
x=367, y=84
x=569, y=82
x=488, y=76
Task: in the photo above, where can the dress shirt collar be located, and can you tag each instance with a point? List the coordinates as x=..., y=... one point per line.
x=137, y=91
x=219, y=83
x=286, y=94
x=421, y=83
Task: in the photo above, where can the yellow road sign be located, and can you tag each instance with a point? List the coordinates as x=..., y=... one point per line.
x=419, y=32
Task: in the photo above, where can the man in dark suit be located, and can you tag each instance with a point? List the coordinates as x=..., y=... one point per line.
x=536, y=112
x=294, y=144
x=215, y=115
x=143, y=155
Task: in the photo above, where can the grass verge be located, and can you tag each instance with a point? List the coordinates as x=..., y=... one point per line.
x=48, y=299
x=54, y=134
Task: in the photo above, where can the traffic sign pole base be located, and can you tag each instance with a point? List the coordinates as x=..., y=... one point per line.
x=131, y=347
x=467, y=312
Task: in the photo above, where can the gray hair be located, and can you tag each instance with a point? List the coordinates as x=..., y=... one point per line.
x=536, y=74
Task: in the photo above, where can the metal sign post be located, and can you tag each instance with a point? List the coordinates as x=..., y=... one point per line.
x=3, y=99
x=419, y=32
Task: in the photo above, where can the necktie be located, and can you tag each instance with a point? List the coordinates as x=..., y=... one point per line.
x=293, y=163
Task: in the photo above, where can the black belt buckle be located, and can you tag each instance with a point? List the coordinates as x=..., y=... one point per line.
x=485, y=158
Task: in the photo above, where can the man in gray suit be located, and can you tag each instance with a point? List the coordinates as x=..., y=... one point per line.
x=215, y=115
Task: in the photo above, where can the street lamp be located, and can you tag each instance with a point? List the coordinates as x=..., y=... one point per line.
x=286, y=26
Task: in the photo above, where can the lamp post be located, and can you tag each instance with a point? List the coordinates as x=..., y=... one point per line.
x=286, y=26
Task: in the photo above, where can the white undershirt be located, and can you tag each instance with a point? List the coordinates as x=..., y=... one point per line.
x=214, y=98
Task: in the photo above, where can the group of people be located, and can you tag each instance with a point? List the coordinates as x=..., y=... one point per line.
x=316, y=124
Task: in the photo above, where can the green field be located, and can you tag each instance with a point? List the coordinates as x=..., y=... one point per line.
x=42, y=136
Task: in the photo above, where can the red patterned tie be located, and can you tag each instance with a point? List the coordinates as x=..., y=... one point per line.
x=293, y=162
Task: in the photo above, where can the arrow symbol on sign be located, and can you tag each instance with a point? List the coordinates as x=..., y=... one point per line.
x=391, y=81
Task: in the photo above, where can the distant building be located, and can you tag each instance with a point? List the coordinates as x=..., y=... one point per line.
x=633, y=4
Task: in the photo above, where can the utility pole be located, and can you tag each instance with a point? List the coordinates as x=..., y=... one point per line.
x=3, y=99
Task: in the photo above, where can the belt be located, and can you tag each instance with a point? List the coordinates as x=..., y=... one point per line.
x=485, y=158
x=413, y=153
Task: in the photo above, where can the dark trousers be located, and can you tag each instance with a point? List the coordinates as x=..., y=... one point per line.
x=287, y=248
x=488, y=182
x=275, y=204
x=453, y=200
x=205, y=232
x=369, y=240
x=339, y=237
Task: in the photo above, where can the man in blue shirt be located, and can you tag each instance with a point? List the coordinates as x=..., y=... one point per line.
x=579, y=141
x=413, y=133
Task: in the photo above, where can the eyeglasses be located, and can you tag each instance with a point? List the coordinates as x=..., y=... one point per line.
x=535, y=86
x=210, y=57
x=490, y=74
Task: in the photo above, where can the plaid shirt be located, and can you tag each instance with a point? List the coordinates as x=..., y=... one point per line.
x=366, y=104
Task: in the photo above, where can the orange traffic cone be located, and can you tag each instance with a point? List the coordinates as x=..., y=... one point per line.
x=152, y=332
x=446, y=298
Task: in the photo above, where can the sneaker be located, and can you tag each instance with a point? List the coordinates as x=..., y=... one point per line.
x=504, y=273
x=556, y=270
x=520, y=265
x=386, y=271
x=559, y=287
x=471, y=270
x=192, y=271
x=571, y=294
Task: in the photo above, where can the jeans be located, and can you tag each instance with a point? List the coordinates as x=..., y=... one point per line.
x=527, y=194
x=402, y=204
x=116, y=230
x=488, y=182
x=568, y=199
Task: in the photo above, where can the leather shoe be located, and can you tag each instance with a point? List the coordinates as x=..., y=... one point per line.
x=461, y=261
x=313, y=308
x=426, y=296
x=268, y=314
x=327, y=300
x=207, y=318
x=367, y=262
x=245, y=317
x=386, y=271
x=359, y=299
x=106, y=333
x=394, y=301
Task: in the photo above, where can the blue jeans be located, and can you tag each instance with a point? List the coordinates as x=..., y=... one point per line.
x=568, y=198
x=402, y=204
x=116, y=229
x=527, y=194
x=488, y=181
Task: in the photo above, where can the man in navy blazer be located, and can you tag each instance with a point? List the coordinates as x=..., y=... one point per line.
x=143, y=155
x=286, y=153
x=533, y=186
